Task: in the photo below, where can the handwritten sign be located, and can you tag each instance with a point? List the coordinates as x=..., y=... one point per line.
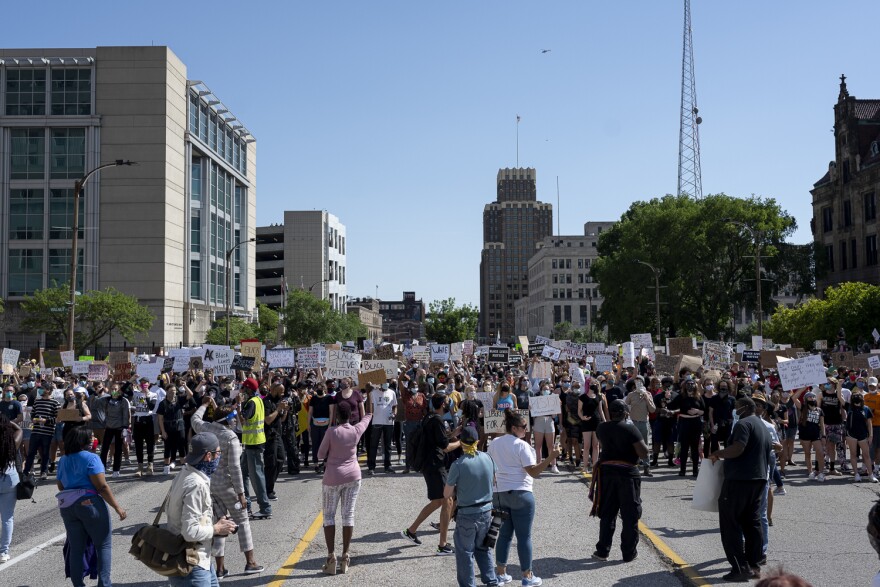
x=251, y=348
x=180, y=359
x=421, y=353
x=100, y=371
x=487, y=397
x=150, y=370
x=551, y=352
x=595, y=348
x=67, y=358
x=641, y=341
x=242, y=363
x=309, y=357
x=342, y=364
x=604, y=363
x=121, y=371
x=575, y=350
x=376, y=377
x=683, y=345
x=281, y=358
x=757, y=343
x=456, y=351
x=629, y=354
x=541, y=370
x=544, y=405
x=9, y=360
x=666, y=364
x=820, y=345
x=576, y=373
x=81, y=367
x=439, y=353
x=499, y=354
x=874, y=361
x=387, y=365
x=467, y=347
x=717, y=355
x=798, y=373
x=493, y=420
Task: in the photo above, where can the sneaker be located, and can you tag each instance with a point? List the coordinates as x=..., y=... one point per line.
x=631, y=558
x=371, y=473
x=873, y=479
x=857, y=478
x=272, y=496
x=779, y=491
x=532, y=581
x=115, y=475
x=446, y=549
x=411, y=537
x=435, y=525
x=677, y=461
x=503, y=579
x=223, y=575
x=406, y=471
x=166, y=470
x=821, y=477
x=812, y=476
x=390, y=471
x=554, y=469
x=44, y=475
x=4, y=557
x=599, y=557
x=251, y=570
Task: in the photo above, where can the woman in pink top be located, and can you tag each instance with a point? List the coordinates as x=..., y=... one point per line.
x=342, y=481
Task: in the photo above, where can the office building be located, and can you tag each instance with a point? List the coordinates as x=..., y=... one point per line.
x=561, y=287
x=158, y=231
x=844, y=220
x=367, y=310
x=403, y=320
x=307, y=251
x=513, y=225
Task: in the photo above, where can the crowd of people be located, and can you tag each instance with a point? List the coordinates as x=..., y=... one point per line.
x=226, y=440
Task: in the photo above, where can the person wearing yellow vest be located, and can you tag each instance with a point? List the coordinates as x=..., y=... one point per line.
x=253, y=439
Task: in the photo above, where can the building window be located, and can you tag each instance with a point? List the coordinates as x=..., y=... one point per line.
x=583, y=316
x=842, y=255
x=238, y=289
x=829, y=256
x=568, y=314
x=196, y=180
x=870, y=206
x=68, y=153
x=195, y=232
x=59, y=268
x=847, y=213
x=194, y=115
x=26, y=214
x=853, y=254
x=71, y=92
x=212, y=131
x=25, y=92
x=827, y=220
x=555, y=278
x=553, y=264
x=871, y=250
x=61, y=215
x=25, y=271
x=557, y=314
x=195, y=279
x=28, y=157
x=239, y=197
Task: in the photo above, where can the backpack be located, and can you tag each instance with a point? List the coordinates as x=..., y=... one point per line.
x=415, y=449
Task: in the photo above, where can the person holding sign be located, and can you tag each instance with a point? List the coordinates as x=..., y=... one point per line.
x=591, y=412
x=811, y=430
x=544, y=428
x=859, y=434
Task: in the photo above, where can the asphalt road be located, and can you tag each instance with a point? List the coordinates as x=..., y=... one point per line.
x=818, y=533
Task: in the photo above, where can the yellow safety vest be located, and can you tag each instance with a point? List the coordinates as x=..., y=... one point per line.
x=252, y=432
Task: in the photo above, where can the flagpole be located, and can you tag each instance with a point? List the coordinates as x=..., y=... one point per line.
x=517, y=141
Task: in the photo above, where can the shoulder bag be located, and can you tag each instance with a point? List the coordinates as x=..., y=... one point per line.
x=163, y=551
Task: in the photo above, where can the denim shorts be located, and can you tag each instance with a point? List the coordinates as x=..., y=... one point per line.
x=59, y=432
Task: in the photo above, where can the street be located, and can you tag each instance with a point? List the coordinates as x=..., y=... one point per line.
x=818, y=533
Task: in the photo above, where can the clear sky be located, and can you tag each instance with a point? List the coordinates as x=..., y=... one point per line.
x=395, y=116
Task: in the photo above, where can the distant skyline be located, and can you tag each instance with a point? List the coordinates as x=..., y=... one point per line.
x=396, y=116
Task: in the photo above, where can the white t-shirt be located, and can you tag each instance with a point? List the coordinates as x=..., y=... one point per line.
x=511, y=455
x=383, y=402
x=876, y=581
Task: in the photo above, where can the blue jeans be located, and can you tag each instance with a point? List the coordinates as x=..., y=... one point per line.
x=88, y=518
x=470, y=532
x=252, y=467
x=199, y=577
x=7, y=510
x=520, y=507
x=765, y=522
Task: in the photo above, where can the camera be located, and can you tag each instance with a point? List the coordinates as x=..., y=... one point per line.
x=498, y=518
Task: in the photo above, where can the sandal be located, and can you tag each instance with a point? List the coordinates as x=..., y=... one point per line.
x=344, y=562
x=330, y=566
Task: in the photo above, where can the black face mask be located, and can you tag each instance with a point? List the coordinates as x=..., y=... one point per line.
x=811, y=404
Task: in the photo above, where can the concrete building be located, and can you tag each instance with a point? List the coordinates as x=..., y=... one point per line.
x=367, y=310
x=512, y=226
x=844, y=220
x=561, y=288
x=159, y=230
x=307, y=251
x=403, y=320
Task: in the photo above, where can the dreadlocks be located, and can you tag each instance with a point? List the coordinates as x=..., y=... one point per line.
x=7, y=443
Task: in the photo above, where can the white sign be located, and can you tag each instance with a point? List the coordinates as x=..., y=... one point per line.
x=283, y=358
x=543, y=340
x=389, y=365
x=740, y=347
x=641, y=341
x=493, y=420
x=67, y=358
x=544, y=405
x=10, y=359
x=541, y=370
x=757, y=343
x=487, y=397
x=604, y=363
x=875, y=334
x=551, y=352
x=150, y=370
x=308, y=358
x=421, y=353
x=181, y=359
x=798, y=373
x=481, y=351
x=576, y=374
x=439, y=353
x=820, y=345
x=575, y=350
x=874, y=361
x=368, y=345
x=629, y=354
x=342, y=364
x=81, y=367
x=717, y=355
x=218, y=357
x=595, y=348
x=467, y=347
x=456, y=350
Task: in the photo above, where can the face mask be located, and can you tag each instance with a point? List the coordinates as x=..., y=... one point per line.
x=566, y=385
x=145, y=386
x=431, y=380
x=208, y=467
x=861, y=384
x=545, y=392
x=812, y=403
x=115, y=394
x=30, y=384
x=827, y=386
x=9, y=395
x=69, y=398
x=857, y=401
x=709, y=387
x=722, y=391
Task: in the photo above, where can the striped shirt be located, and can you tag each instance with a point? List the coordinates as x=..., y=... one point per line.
x=45, y=408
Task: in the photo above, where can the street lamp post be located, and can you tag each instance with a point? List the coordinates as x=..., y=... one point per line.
x=656, y=294
x=77, y=189
x=229, y=280
x=756, y=236
x=311, y=287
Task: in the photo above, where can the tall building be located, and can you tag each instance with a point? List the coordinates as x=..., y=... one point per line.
x=561, y=287
x=403, y=320
x=844, y=221
x=513, y=225
x=307, y=252
x=367, y=311
x=159, y=230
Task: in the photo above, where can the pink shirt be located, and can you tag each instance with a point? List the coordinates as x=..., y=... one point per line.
x=339, y=447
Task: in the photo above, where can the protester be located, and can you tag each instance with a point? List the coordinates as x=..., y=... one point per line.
x=383, y=403
x=810, y=429
x=172, y=428
x=9, y=406
x=641, y=405
x=10, y=439
x=319, y=421
x=117, y=417
x=590, y=413
x=341, y=482
x=144, y=401
x=859, y=425
x=690, y=407
x=545, y=429
x=663, y=433
x=832, y=403
x=83, y=499
x=44, y=416
x=75, y=401
x=277, y=409
x=252, y=416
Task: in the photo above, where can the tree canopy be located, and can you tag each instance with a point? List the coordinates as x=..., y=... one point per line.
x=308, y=320
x=238, y=329
x=566, y=331
x=97, y=313
x=447, y=323
x=706, y=263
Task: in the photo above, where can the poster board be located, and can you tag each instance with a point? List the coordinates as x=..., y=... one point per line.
x=68, y=415
x=281, y=358
x=523, y=343
x=843, y=359
x=604, y=363
x=343, y=364
x=251, y=348
x=641, y=341
x=683, y=345
x=544, y=405
x=439, y=353
x=52, y=359
x=389, y=366
x=309, y=357
x=666, y=364
x=493, y=420
x=499, y=354
x=691, y=362
x=551, y=352
x=797, y=373
x=376, y=377
x=100, y=371
x=9, y=360
x=717, y=355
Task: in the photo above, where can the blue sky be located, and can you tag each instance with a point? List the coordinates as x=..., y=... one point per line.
x=396, y=116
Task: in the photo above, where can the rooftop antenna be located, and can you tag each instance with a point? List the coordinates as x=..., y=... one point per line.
x=517, y=140
x=689, y=180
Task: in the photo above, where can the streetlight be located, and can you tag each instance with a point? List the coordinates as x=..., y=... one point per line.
x=656, y=293
x=77, y=188
x=228, y=281
x=311, y=287
x=756, y=236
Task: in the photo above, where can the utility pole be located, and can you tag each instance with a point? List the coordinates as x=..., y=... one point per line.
x=756, y=236
x=229, y=282
x=656, y=294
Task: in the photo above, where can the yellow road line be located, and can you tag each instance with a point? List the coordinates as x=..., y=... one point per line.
x=287, y=568
x=690, y=572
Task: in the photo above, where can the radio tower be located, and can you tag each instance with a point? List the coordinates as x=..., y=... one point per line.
x=689, y=181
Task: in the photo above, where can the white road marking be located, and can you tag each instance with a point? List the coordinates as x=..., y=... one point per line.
x=33, y=551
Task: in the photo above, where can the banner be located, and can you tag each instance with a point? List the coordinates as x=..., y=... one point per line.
x=798, y=373
x=342, y=364
x=281, y=358
x=499, y=354
x=544, y=405
x=388, y=365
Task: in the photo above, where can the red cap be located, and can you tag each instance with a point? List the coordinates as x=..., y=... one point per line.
x=251, y=384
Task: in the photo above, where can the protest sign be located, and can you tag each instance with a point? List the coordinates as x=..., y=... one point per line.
x=543, y=340
x=843, y=359
x=389, y=366
x=767, y=343
x=574, y=370
x=117, y=357
x=768, y=359
x=551, y=352
x=523, y=342
x=251, y=348
x=876, y=335
x=455, y=351
x=535, y=350
x=493, y=420
x=665, y=364
x=368, y=345
x=604, y=363
x=541, y=370
x=514, y=358
x=180, y=359
x=242, y=363
x=691, y=362
x=308, y=358
x=467, y=347
x=281, y=358
x=544, y=405
x=150, y=371
x=376, y=377
x=629, y=354
x=797, y=373
x=575, y=350
x=717, y=355
x=647, y=352
x=67, y=358
x=683, y=345
x=874, y=361
x=9, y=360
x=219, y=357
x=101, y=371
x=860, y=361
x=81, y=367
x=757, y=343
x=751, y=356
x=121, y=371
x=641, y=341
x=487, y=397
x=499, y=354
x=421, y=353
x=196, y=363
x=595, y=348
x=52, y=359
x=68, y=415
x=342, y=364
x=439, y=353
x=820, y=345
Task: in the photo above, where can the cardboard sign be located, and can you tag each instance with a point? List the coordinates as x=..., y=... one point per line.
x=281, y=358
x=376, y=377
x=768, y=359
x=551, y=352
x=843, y=359
x=641, y=341
x=680, y=346
x=544, y=405
x=541, y=370
x=251, y=348
x=81, y=367
x=499, y=354
x=665, y=364
x=101, y=372
x=439, y=353
x=874, y=361
x=421, y=353
x=595, y=348
x=242, y=363
x=68, y=415
x=797, y=373
x=689, y=361
x=751, y=356
x=493, y=420
x=389, y=366
x=117, y=357
x=342, y=364
x=52, y=359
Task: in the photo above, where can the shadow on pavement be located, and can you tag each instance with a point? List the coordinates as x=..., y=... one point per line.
x=658, y=578
x=673, y=533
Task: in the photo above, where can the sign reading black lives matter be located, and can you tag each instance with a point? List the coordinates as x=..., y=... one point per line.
x=499, y=354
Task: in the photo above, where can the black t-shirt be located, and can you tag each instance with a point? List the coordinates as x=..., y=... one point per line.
x=831, y=408
x=320, y=405
x=435, y=442
x=753, y=463
x=685, y=403
x=722, y=408
x=616, y=439
x=614, y=392
x=857, y=421
x=172, y=414
x=589, y=405
x=662, y=403
x=270, y=406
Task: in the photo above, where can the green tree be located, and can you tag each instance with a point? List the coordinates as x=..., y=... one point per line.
x=238, y=329
x=447, y=323
x=308, y=320
x=702, y=259
x=98, y=312
x=267, y=324
x=565, y=331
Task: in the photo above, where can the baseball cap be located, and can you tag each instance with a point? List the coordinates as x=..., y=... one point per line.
x=200, y=445
x=872, y=381
x=618, y=406
x=759, y=397
x=469, y=435
x=251, y=383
